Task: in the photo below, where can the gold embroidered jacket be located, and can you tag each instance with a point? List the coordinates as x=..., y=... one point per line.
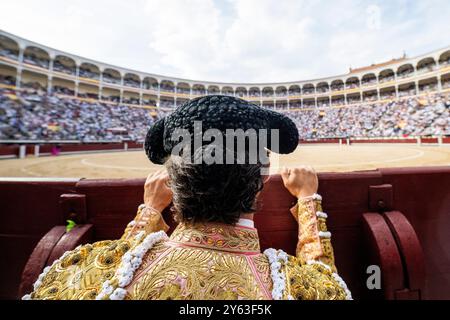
x=198, y=261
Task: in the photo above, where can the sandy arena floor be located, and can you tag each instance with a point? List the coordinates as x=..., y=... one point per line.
x=134, y=164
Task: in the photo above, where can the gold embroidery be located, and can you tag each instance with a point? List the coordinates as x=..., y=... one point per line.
x=217, y=236
x=195, y=273
x=312, y=282
x=148, y=220
x=310, y=245
x=199, y=262
x=81, y=273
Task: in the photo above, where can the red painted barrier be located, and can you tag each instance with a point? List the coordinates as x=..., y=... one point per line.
x=411, y=253
x=430, y=140
x=135, y=145
x=91, y=147
x=13, y=150
x=9, y=150
x=39, y=258
x=383, y=252
x=384, y=141
x=28, y=210
x=29, y=150
x=321, y=141
x=46, y=148
x=423, y=196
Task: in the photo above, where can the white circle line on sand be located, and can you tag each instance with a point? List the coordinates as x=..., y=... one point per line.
x=33, y=169
x=419, y=154
x=29, y=172
x=107, y=166
x=414, y=156
x=40, y=161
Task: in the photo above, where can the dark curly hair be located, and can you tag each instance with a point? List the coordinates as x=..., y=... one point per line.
x=213, y=192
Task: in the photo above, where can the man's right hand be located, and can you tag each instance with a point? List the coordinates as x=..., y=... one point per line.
x=301, y=182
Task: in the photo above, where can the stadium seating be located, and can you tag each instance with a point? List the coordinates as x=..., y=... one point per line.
x=37, y=116
x=32, y=116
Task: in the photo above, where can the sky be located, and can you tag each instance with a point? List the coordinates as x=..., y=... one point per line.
x=234, y=40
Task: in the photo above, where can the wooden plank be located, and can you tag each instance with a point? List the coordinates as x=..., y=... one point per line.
x=382, y=251
x=81, y=234
x=410, y=250
x=39, y=258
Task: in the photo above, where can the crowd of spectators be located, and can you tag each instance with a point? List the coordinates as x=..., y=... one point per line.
x=352, y=85
x=408, y=117
x=130, y=100
x=132, y=83
x=150, y=86
x=166, y=103
x=111, y=79
x=407, y=92
x=86, y=73
x=387, y=78
x=4, y=52
x=148, y=102
x=295, y=92
x=63, y=90
x=337, y=87
x=369, y=82
x=167, y=87
x=198, y=92
x=8, y=80
x=183, y=90
x=38, y=116
x=29, y=115
x=31, y=58
x=58, y=66
x=406, y=73
x=445, y=62
x=322, y=89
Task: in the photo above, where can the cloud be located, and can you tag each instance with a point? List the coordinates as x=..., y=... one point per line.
x=185, y=34
x=234, y=40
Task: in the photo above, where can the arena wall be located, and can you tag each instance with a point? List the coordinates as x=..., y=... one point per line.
x=12, y=149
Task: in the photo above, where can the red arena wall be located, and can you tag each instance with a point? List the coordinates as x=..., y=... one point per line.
x=13, y=150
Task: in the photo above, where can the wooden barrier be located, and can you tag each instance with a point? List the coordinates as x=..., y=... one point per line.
x=9, y=150
x=430, y=140
x=395, y=218
x=422, y=195
x=29, y=208
x=12, y=150
x=38, y=259
x=411, y=253
x=403, y=141
x=382, y=251
x=320, y=141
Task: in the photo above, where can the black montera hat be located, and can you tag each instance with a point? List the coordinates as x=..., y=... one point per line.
x=222, y=113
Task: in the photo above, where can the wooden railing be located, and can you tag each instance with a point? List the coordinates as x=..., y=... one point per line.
x=396, y=219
